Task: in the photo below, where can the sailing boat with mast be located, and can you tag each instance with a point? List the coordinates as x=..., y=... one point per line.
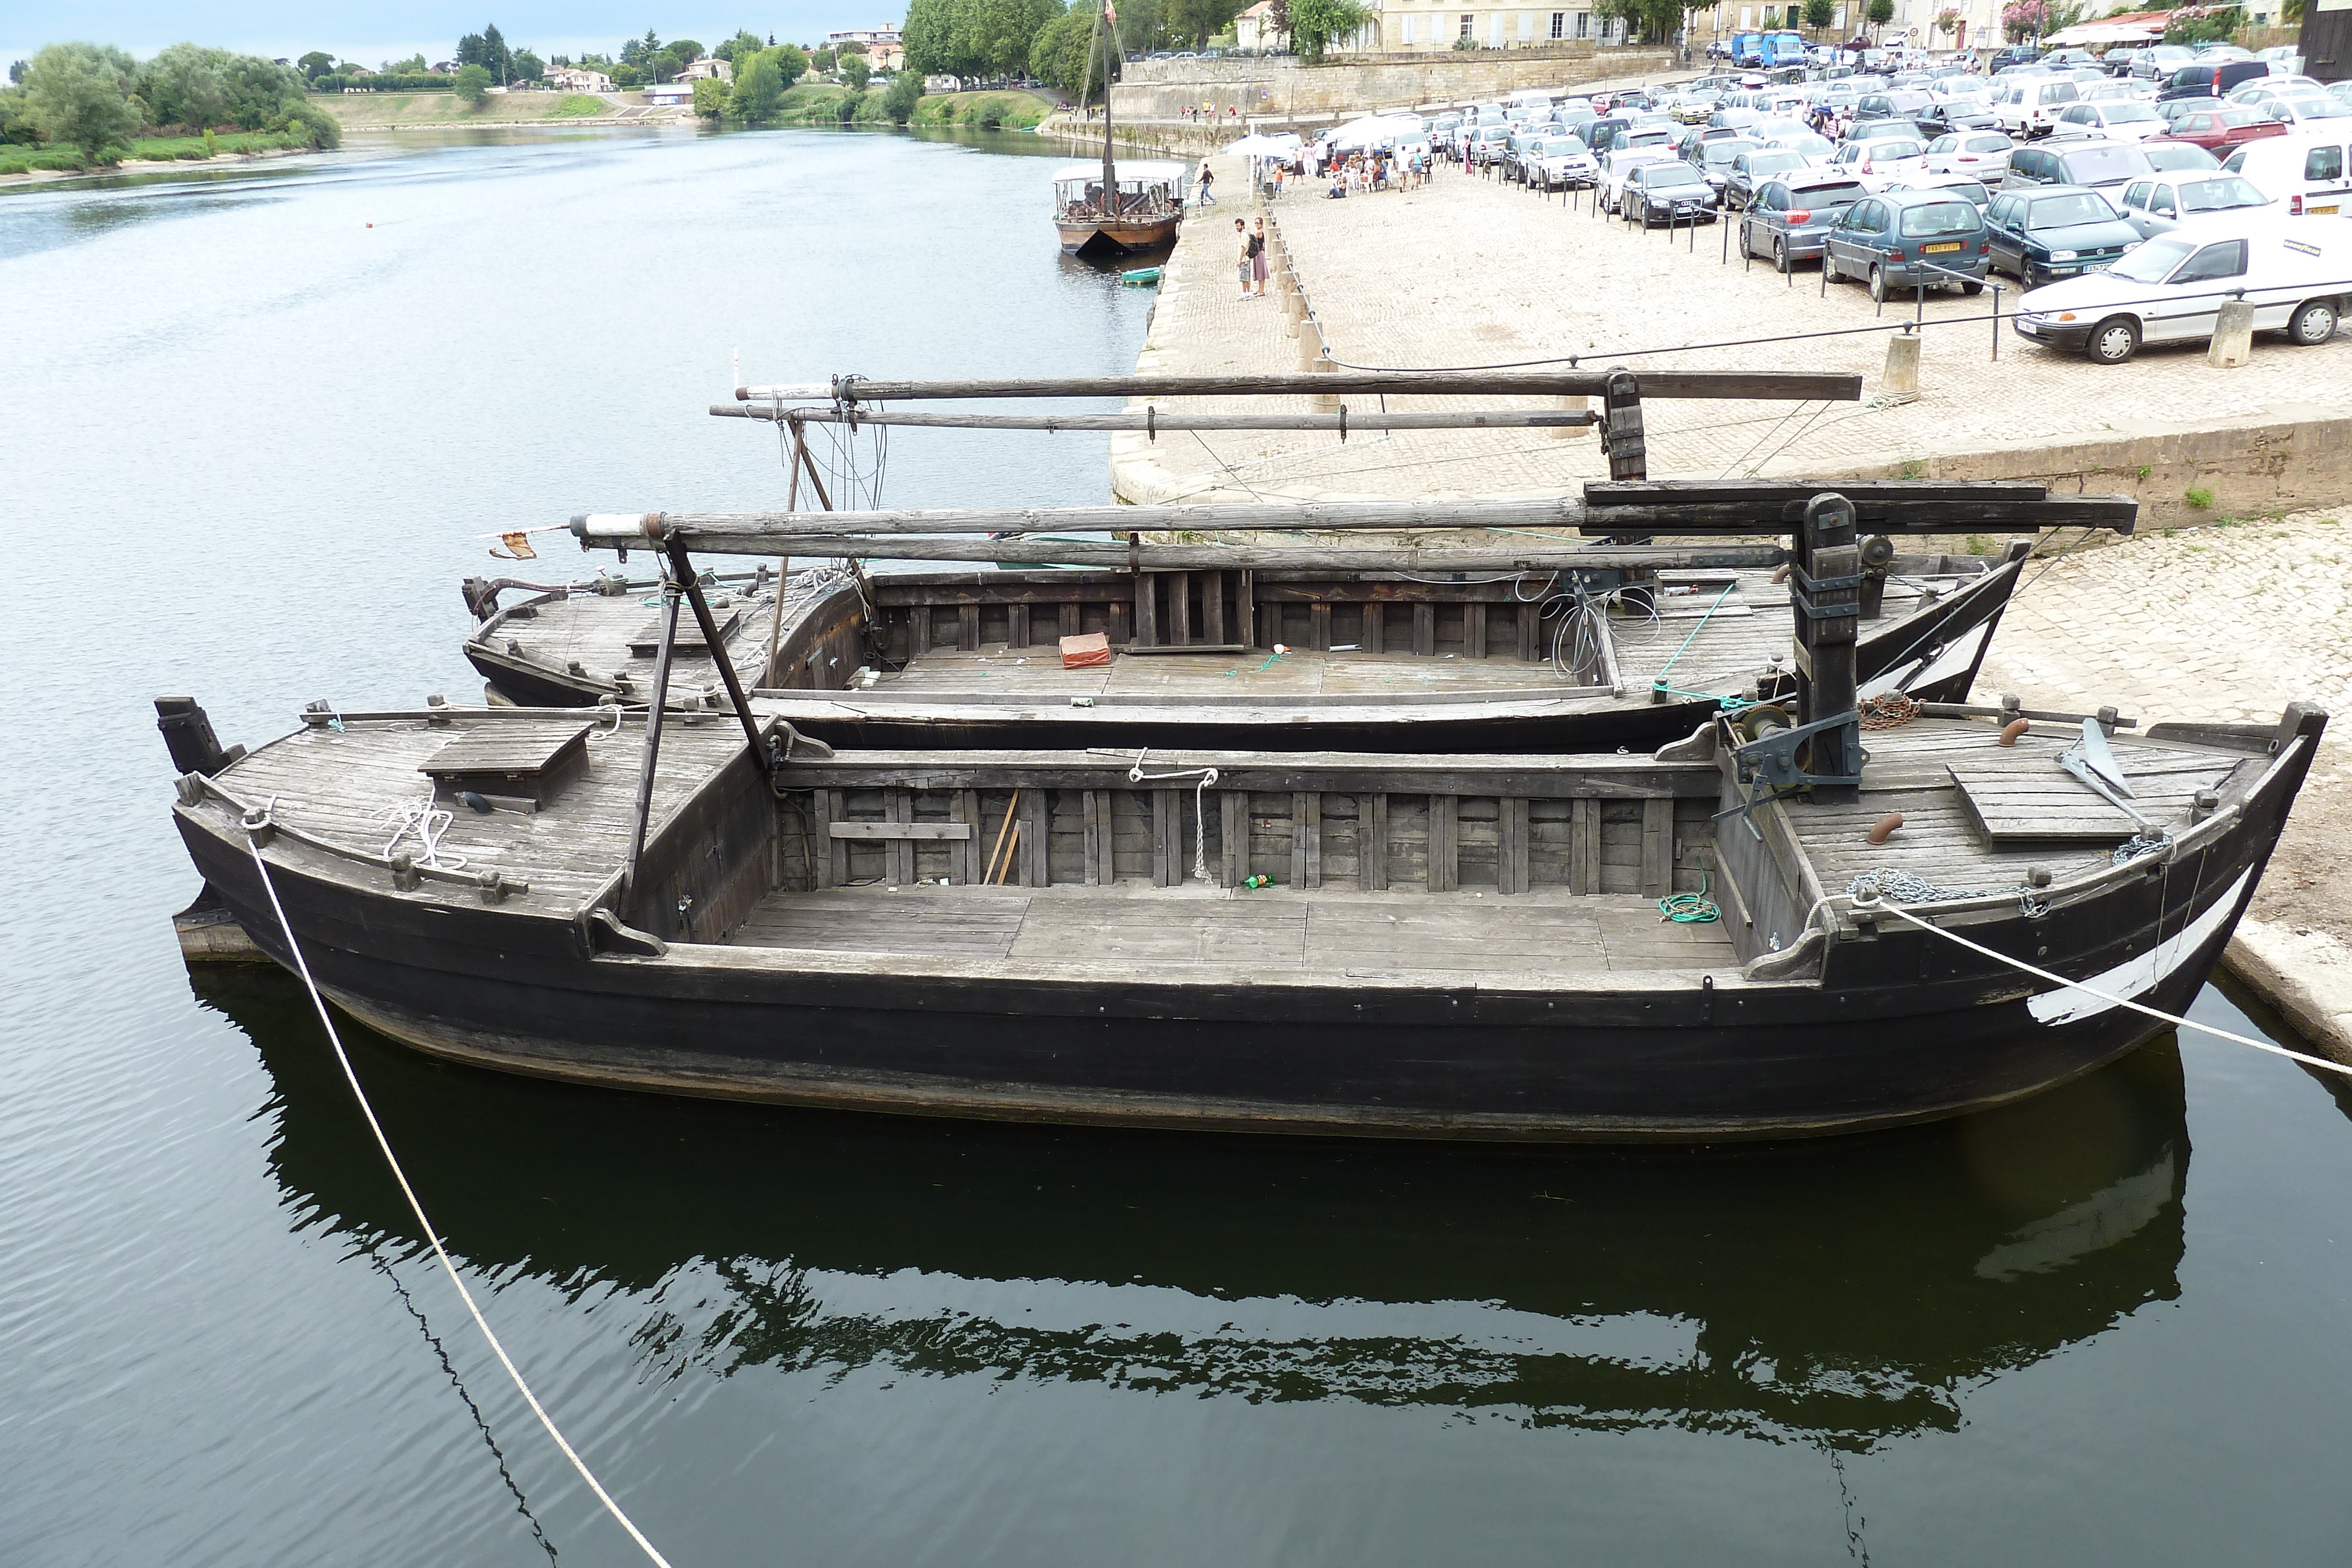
x=1136, y=207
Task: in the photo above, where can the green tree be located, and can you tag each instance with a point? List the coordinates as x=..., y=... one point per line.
x=711, y=96
x=686, y=49
x=414, y=65
x=735, y=48
x=16, y=69
x=299, y=117
x=1199, y=20
x=497, y=59
x=187, y=85
x=474, y=85
x=81, y=93
x=1316, y=24
x=627, y=78
x=1820, y=13
x=1880, y=12
x=316, y=63
x=857, y=72
x=1058, y=54
x=905, y=90
x=791, y=61
x=851, y=46
x=528, y=67
x=822, y=62
x=927, y=36
x=759, y=90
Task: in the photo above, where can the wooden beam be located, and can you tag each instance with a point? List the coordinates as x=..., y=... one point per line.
x=1170, y=420
x=930, y=832
x=1766, y=386
x=1372, y=844
x=1511, y=872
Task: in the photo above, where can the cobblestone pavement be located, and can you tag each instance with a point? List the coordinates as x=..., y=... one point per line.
x=2230, y=622
x=1472, y=272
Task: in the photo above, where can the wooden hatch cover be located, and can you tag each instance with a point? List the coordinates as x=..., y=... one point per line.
x=530, y=758
x=2021, y=797
x=646, y=644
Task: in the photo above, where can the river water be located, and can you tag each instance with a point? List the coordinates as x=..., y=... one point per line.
x=250, y=443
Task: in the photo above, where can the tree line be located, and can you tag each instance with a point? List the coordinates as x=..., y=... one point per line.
x=99, y=99
x=995, y=39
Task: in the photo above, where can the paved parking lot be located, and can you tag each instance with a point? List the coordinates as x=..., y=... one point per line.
x=1474, y=272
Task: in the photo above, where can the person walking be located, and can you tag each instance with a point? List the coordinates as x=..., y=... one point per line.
x=1208, y=199
x=1255, y=251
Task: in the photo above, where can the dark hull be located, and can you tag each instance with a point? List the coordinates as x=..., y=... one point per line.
x=1116, y=238
x=1902, y=1026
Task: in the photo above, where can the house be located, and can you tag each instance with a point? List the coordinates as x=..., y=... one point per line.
x=943, y=84
x=707, y=68
x=870, y=36
x=568, y=79
x=671, y=92
x=1254, y=29
x=885, y=57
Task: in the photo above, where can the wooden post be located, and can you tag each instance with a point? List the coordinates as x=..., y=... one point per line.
x=1095, y=831
x=651, y=756
x=1167, y=838
x=1373, y=636
x=1474, y=631
x=1584, y=845
x=1306, y=839
x=1035, y=831
x=1444, y=843
x=1016, y=625
x=1824, y=591
x=1657, y=848
x=1511, y=846
x=964, y=858
x=1425, y=629
x=1626, y=442
x=1232, y=830
x=824, y=806
x=1372, y=845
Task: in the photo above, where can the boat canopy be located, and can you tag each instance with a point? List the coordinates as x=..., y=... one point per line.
x=1132, y=172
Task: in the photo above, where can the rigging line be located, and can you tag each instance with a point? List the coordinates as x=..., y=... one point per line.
x=1794, y=437
x=1225, y=466
x=1572, y=361
x=253, y=822
x=481, y=1423
x=1778, y=425
x=2053, y=560
x=1888, y=908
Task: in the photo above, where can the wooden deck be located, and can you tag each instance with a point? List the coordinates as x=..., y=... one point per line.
x=1269, y=929
x=615, y=635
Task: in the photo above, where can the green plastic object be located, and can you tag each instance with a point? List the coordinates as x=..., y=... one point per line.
x=1141, y=276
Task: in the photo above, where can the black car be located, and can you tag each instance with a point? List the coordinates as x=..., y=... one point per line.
x=1959, y=114
x=2016, y=55
x=2218, y=78
x=1714, y=159
x=1598, y=133
x=1908, y=239
x=2042, y=235
x=1667, y=192
x=1909, y=105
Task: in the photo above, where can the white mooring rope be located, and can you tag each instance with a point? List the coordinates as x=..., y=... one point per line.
x=302, y=967
x=1876, y=906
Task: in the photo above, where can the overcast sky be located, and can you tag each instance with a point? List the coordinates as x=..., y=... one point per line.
x=374, y=32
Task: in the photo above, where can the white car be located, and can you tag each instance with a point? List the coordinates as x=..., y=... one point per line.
x=1816, y=151
x=2159, y=206
x=2028, y=108
x=1617, y=168
x=1982, y=153
x=2171, y=288
x=1879, y=160
x=2312, y=113
x=2116, y=121
x=2311, y=174
x=1557, y=163
x=2120, y=89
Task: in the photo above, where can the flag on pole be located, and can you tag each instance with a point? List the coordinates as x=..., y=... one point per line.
x=1111, y=10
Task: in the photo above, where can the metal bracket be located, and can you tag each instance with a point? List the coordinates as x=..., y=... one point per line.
x=1770, y=763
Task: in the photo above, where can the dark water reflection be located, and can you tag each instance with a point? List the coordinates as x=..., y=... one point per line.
x=1844, y=1294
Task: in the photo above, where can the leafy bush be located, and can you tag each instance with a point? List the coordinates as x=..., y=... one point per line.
x=579, y=105
x=387, y=81
x=711, y=96
x=474, y=85
x=81, y=93
x=301, y=121
x=898, y=101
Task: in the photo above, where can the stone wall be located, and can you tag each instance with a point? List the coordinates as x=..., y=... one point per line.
x=1284, y=88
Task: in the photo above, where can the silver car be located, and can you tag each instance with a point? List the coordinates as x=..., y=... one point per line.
x=1983, y=153
x=2158, y=206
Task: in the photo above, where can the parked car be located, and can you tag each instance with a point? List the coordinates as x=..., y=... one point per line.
x=2287, y=58
x=1982, y=153
x=2301, y=113
x=1908, y=239
x=1668, y=191
x=1656, y=136
x=1751, y=168
x=2116, y=121
x=2118, y=62
x=2276, y=86
x=1906, y=105
x=2158, y=206
x=2118, y=90
x=2311, y=174
x=1875, y=161
x=2015, y=55
x=1617, y=170
x=2207, y=78
x=1597, y=133
x=2156, y=63
x=1967, y=187
x=1815, y=150
x=2170, y=157
x=1882, y=130
x=1713, y=160
x=1487, y=145
x=1559, y=162
x=2026, y=109
x=2220, y=127
x=2172, y=289
x=2058, y=232
x=2098, y=163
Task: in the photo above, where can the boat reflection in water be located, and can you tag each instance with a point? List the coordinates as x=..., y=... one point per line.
x=1843, y=1292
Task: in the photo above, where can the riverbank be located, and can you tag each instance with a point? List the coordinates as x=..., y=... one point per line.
x=11, y=175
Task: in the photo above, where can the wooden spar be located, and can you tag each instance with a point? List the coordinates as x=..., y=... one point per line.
x=1531, y=555
x=682, y=570
x=1740, y=384
x=652, y=754
x=1152, y=420
x=2117, y=513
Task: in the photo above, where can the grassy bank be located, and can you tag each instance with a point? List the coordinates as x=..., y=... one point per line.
x=1010, y=111
x=153, y=149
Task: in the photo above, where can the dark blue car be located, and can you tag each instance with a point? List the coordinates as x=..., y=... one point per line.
x=2042, y=233
x=1909, y=239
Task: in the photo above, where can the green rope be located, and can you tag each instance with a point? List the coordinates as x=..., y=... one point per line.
x=1658, y=682
x=1689, y=908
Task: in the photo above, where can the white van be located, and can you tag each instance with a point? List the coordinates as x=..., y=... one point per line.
x=2312, y=172
x=2030, y=107
x=1529, y=97
x=2170, y=288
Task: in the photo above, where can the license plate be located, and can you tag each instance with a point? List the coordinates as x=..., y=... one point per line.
x=1939, y=249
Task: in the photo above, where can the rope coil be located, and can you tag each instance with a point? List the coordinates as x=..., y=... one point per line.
x=1206, y=777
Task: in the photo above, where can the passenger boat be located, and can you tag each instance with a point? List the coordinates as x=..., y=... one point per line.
x=1454, y=945
x=1143, y=209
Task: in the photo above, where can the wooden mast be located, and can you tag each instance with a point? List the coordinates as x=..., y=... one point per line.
x=1110, y=46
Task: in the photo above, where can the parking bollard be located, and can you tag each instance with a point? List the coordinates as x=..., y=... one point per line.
x=1902, y=378
x=2233, y=335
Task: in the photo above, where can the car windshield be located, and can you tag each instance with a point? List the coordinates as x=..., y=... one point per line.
x=1662, y=174
x=1807, y=146
x=2318, y=107
x=1940, y=218
x=2129, y=113
x=1773, y=162
x=1985, y=143
x=1881, y=151
x=1817, y=197
x=2150, y=262
x=1719, y=154
x=2093, y=164
x=2217, y=195
x=2060, y=212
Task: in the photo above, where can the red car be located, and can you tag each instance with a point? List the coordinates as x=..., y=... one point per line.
x=2221, y=128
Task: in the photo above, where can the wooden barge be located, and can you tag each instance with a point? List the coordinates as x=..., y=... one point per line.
x=1460, y=945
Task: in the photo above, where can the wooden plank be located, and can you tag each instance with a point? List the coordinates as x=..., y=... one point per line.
x=1474, y=631
x=1147, y=609
x=1372, y=845
x=1306, y=839
x=1072, y=613
x=967, y=861
x=1179, y=607
x=1318, y=626
x=897, y=852
x=1374, y=635
x=968, y=628
x=1444, y=843
x=1232, y=823
x=1584, y=846
x=1736, y=385
x=1530, y=631
x=1424, y=630
x=1094, y=804
x=928, y=832
x=1212, y=605
x=1037, y=817
x=1245, y=610
x=1167, y=838
x=1016, y=625
x=822, y=813
x=919, y=631
x=836, y=854
x=1657, y=848
x=1511, y=846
